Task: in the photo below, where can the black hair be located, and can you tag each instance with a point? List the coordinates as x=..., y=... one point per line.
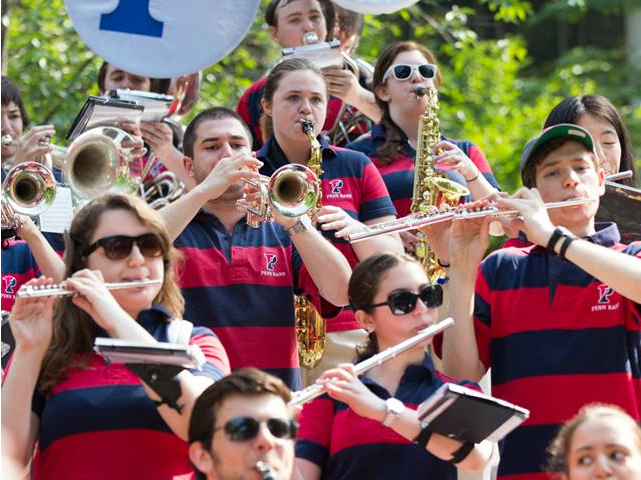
x=570, y=109
x=215, y=113
x=10, y=93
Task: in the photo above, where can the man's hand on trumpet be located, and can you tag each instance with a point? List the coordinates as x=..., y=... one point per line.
x=228, y=173
x=136, y=144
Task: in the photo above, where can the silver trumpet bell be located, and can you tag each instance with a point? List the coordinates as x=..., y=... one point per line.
x=28, y=189
x=291, y=191
x=97, y=161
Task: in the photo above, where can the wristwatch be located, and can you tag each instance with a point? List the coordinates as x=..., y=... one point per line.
x=394, y=409
x=302, y=224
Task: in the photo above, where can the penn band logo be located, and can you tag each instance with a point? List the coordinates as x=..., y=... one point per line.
x=271, y=258
x=604, y=302
x=605, y=292
x=336, y=186
x=10, y=283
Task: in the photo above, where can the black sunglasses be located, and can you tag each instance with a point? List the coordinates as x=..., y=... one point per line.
x=241, y=429
x=118, y=247
x=402, y=302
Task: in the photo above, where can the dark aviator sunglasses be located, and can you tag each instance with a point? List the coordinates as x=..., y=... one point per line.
x=241, y=429
x=118, y=247
x=402, y=302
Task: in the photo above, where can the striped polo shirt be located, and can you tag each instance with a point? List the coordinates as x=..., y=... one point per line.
x=347, y=446
x=556, y=339
x=349, y=181
x=98, y=422
x=399, y=174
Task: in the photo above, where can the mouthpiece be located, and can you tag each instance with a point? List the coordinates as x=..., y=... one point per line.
x=7, y=140
x=310, y=38
x=307, y=125
x=420, y=91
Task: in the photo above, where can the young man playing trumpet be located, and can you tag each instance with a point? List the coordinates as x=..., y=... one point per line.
x=241, y=280
x=557, y=321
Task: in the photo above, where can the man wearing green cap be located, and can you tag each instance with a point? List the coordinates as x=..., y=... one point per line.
x=559, y=320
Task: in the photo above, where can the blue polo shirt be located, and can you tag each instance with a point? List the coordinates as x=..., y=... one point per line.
x=556, y=339
x=349, y=181
x=399, y=174
x=347, y=446
x=242, y=285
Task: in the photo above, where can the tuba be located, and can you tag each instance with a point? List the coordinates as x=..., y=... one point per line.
x=310, y=325
x=432, y=190
x=29, y=189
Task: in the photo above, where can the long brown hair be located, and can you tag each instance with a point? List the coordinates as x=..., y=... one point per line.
x=387, y=152
x=273, y=80
x=72, y=327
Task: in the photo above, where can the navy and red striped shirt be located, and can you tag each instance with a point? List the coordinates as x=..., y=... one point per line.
x=18, y=267
x=399, y=174
x=98, y=422
x=556, y=339
x=250, y=109
x=349, y=181
x=347, y=446
x=242, y=285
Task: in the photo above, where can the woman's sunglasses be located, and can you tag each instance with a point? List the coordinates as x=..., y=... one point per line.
x=241, y=429
x=402, y=302
x=404, y=71
x=118, y=247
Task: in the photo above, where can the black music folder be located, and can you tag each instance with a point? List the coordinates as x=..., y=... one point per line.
x=161, y=353
x=100, y=111
x=467, y=415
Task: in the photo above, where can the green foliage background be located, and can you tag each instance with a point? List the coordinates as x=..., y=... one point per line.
x=492, y=92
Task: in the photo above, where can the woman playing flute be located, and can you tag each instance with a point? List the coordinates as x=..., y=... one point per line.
x=365, y=426
x=90, y=418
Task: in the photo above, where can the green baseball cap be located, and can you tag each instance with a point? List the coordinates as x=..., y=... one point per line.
x=566, y=130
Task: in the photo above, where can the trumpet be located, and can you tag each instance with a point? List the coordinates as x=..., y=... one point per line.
x=420, y=219
x=313, y=391
x=58, y=290
x=291, y=191
x=29, y=189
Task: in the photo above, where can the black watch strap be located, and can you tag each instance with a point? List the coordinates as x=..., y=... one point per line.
x=424, y=436
x=556, y=234
x=462, y=453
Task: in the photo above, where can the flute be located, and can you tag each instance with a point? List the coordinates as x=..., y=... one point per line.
x=310, y=393
x=58, y=290
x=416, y=220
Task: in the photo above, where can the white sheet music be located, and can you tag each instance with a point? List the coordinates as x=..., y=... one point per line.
x=57, y=219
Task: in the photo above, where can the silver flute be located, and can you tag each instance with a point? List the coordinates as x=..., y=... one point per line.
x=58, y=290
x=416, y=220
x=313, y=391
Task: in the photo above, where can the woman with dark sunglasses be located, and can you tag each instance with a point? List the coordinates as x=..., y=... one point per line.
x=90, y=418
x=367, y=426
x=401, y=68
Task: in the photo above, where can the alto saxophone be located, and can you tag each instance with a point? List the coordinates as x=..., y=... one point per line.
x=432, y=189
x=310, y=326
